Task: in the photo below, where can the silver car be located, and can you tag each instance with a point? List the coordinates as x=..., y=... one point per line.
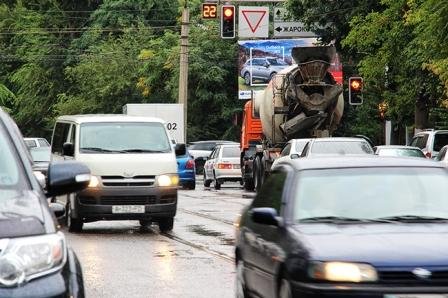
x=261, y=69
x=430, y=141
x=223, y=165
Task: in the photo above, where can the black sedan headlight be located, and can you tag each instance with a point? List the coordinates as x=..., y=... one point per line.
x=343, y=272
x=23, y=259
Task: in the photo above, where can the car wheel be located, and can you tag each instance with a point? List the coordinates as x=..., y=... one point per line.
x=285, y=289
x=192, y=185
x=73, y=224
x=145, y=222
x=166, y=224
x=240, y=287
x=217, y=184
x=206, y=182
x=247, y=79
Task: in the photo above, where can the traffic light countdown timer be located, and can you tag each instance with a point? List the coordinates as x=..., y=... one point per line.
x=209, y=11
x=227, y=21
x=355, y=86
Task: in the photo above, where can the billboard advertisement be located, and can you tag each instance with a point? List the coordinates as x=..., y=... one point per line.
x=259, y=60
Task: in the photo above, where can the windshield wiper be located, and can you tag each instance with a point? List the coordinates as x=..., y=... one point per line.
x=97, y=149
x=340, y=219
x=143, y=151
x=411, y=218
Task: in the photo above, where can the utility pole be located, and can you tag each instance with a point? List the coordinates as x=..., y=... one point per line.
x=183, y=71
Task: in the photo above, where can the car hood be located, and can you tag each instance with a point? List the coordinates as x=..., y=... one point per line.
x=395, y=244
x=20, y=214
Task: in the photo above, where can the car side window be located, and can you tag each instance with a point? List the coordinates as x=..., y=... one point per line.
x=442, y=154
x=305, y=149
x=440, y=140
x=60, y=136
x=43, y=143
x=286, y=150
x=271, y=192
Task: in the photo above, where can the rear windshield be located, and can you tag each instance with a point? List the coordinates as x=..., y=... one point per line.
x=341, y=147
x=119, y=137
x=231, y=152
x=401, y=152
x=202, y=146
x=440, y=140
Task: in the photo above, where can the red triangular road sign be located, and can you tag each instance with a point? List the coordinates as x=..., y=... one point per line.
x=253, y=18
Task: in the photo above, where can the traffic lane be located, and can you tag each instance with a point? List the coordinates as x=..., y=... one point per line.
x=225, y=204
x=121, y=259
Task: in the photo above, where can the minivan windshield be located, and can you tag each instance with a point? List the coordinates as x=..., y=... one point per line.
x=124, y=137
x=10, y=170
x=372, y=193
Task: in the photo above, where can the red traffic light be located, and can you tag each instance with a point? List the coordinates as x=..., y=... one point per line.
x=356, y=84
x=228, y=11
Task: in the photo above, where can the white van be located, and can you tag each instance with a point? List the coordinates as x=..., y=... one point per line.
x=133, y=166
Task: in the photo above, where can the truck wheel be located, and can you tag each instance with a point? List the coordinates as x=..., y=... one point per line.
x=258, y=173
x=206, y=182
x=166, y=224
x=74, y=225
x=191, y=185
x=249, y=184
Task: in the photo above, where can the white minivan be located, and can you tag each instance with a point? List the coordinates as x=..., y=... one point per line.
x=133, y=166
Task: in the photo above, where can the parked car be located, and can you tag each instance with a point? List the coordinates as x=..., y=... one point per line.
x=36, y=142
x=263, y=69
x=336, y=146
x=35, y=258
x=397, y=150
x=223, y=165
x=200, y=150
x=346, y=227
x=133, y=166
x=430, y=141
x=292, y=150
x=41, y=158
x=186, y=170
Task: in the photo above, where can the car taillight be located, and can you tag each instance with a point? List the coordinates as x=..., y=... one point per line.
x=428, y=154
x=224, y=166
x=189, y=164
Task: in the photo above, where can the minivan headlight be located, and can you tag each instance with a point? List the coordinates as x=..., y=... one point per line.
x=343, y=272
x=27, y=258
x=167, y=180
x=94, y=181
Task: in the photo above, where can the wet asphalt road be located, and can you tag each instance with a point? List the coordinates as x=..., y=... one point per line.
x=121, y=259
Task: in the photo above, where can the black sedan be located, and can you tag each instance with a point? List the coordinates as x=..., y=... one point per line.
x=347, y=227
x=35, y=260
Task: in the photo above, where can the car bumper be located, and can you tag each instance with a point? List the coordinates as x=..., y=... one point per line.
x=308, y=290
x=187, y=176
x=96, y=204
x=228, y=175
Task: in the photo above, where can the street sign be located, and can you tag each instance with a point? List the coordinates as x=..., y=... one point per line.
x=280, y=14
x=292, y=29
x=253, y=21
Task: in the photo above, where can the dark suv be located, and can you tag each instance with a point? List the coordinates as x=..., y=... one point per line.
x=35, y=260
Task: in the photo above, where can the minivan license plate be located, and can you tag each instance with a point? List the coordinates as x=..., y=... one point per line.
x=128, y=209
x=416, y=296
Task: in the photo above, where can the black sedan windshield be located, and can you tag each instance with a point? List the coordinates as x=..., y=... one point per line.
x=374, y=193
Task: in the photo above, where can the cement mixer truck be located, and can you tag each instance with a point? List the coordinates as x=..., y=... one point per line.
x=301, y=101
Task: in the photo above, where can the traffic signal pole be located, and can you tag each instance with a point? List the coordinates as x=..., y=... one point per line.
x=183, y=65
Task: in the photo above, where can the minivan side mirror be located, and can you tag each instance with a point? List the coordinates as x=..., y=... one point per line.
x=265, y=216
x=295, y=156
x=68, y=149
x=66, y=177
x=181, y=149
